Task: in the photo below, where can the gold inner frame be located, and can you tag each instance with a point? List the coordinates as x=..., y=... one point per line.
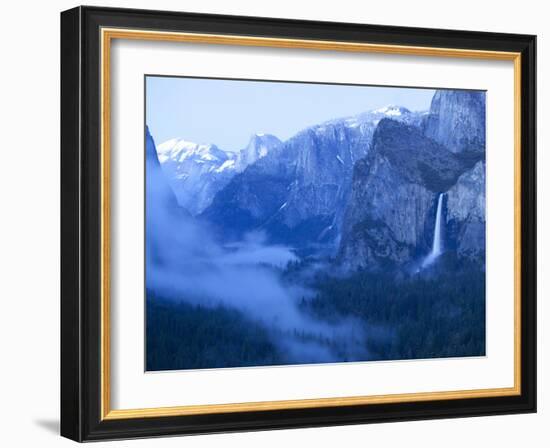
x=107, y=35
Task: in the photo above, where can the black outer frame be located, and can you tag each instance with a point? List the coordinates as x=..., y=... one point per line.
x=80, y=224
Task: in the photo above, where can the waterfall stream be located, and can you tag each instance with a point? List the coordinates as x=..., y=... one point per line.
x=437, y=246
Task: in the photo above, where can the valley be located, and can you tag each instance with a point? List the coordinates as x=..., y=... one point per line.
x=358, y=239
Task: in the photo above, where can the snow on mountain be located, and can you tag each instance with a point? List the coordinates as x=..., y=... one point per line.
x=367, y=121
x=392, y=111
x=310, y=173
x=196, y=172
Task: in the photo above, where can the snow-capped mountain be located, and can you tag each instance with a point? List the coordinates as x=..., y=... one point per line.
x=373, y=117
x=196, y=172
x=298, y=193
x=392, y=111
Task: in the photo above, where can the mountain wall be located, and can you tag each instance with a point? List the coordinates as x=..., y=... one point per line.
x=457, y=120
x=297, y=194
x=390, y=216
x=466, y=211
x=197, y=172
x=364, y=187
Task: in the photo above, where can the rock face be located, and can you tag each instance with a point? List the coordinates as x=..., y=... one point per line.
x=390, y=216
x=466, y=211
x=298, y=193
x=161, y=206
x=394, y=194
x=197, y=172
x=365, y=188
x=457, y=120
x=259, y=146
x=159, y=192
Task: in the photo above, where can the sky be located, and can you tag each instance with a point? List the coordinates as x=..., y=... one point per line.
x=227, y=112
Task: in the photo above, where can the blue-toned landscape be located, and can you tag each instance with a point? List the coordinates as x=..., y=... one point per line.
x=343, y=230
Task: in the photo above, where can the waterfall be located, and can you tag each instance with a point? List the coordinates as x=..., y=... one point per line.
x=437, y=246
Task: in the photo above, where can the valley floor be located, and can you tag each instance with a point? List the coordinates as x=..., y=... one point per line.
x=363, y=317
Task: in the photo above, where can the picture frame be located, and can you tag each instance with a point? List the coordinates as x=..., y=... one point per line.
x=87, y=35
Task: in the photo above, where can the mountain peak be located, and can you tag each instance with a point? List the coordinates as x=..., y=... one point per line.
x=261, y=137
x=371, y=117
x=392, y=111
x=180, y=149
x=457, y=120
x=259, y=146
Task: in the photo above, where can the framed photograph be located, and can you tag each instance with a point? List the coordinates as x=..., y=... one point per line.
x=275, y=224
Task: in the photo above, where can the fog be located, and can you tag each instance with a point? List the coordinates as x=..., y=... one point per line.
x=185, y=263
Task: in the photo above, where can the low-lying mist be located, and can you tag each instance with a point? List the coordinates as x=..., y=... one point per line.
x=185, y=263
